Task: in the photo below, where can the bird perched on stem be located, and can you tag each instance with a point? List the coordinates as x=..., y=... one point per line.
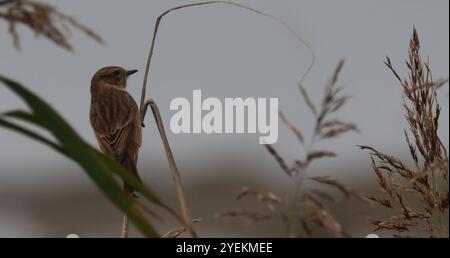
x=115, y=118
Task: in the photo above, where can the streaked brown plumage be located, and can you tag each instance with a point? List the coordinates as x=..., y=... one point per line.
x=115, y=117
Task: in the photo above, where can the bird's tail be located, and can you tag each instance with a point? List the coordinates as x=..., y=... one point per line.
x=130, y=165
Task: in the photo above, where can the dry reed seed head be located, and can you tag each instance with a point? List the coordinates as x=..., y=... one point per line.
x=327, y=221
x=318, y=154
x=324, y=196
x=174, y=233
x=249, y=216
x=279, y=160
x=382, y=181
x=314, y=210
x=324, y=128
x=312, y=200
x=434, y=86
x=396, y=164
x=264, y=197
x=415, y=41
x=388, y=63
x=306, y=227
x=337, y=72
x=292, y=127
x=412, y=150
x=422, y=112
x=42, y=19
x=344, y=189
x=383, y=202
x=308, y=100
x=338, y=131
x=332, y=123
x=331, y=103
x=399, y=224
x=408, y=213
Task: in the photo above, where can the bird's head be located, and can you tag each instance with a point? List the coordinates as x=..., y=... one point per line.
x=112, y=75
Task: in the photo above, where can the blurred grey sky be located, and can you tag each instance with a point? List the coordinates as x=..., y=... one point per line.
x=226, y=52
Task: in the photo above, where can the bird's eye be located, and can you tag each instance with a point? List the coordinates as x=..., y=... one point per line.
x=116, y=74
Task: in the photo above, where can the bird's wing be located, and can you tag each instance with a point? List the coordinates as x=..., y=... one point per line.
x=115, y=121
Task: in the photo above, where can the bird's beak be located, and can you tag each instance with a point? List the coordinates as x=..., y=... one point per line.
x=130, y=72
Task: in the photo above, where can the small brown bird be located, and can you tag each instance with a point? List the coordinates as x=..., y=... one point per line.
x=115, y=118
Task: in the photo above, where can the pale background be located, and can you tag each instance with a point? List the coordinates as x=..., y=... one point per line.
x=226, y=52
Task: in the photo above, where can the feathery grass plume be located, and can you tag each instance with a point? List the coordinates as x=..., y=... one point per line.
x=427, y=180
x=44, y=20
x=306, y=206
x=248, y=216
x=174, y=233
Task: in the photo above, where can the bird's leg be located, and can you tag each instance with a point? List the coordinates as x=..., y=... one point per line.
x=145, y=109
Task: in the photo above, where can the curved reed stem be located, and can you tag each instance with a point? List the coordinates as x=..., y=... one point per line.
x=270, y=16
